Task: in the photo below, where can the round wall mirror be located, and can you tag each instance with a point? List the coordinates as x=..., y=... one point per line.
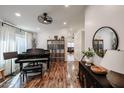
x=105, y=38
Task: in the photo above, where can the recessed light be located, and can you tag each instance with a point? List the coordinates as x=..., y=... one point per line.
x=17, y=14
x=66, y=5
x=45, y=21
x=64, y=23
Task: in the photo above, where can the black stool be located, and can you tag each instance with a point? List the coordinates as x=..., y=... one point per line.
x=31, y=69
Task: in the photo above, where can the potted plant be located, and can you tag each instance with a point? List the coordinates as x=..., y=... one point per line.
x=34, y=43
x=88, y=56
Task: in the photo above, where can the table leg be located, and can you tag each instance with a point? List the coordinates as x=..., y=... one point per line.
x=21, y=66
x=47, y=64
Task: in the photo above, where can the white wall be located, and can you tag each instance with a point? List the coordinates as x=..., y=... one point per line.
x=43, y=36
x=98, y=16
x=79, y=44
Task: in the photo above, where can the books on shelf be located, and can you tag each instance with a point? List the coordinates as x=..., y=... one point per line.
x=57, y=50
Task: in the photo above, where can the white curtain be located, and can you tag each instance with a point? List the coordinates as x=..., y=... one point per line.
x=29, y=37
x=12, y=39
x=21, y=41
x=7, y=44
x=1, y=51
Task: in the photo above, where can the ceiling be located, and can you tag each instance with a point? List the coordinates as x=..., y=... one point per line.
x=73, y=15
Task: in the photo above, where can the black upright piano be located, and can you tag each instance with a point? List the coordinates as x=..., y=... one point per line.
x=32, y=56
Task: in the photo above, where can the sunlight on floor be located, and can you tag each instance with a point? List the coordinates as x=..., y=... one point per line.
x=72, y=70
x=70, y=57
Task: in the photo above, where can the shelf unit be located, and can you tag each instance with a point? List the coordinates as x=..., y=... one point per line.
x=57, y=50
x=98, y=45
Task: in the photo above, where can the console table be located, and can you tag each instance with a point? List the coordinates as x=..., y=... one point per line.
x=89, y=79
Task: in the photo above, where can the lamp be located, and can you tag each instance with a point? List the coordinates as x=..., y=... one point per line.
x=114, y=62
x=10, y=55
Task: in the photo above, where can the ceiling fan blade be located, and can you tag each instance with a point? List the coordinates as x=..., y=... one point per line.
x=49, y=21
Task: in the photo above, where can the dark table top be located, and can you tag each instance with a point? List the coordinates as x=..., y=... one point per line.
x=101, y=79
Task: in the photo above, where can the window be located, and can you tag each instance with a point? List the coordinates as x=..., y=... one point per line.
x=12, y=39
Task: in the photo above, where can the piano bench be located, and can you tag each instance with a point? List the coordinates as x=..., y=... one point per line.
x=31, y=69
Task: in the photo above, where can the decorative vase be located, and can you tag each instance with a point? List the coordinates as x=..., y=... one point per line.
x=56, y=37
x=89, y=61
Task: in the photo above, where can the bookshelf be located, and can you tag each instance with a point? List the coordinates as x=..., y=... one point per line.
x=57, y=50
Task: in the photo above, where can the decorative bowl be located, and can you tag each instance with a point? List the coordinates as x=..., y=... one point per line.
x=98, y=70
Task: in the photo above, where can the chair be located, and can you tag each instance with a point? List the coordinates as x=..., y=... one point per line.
x=10, y=55
x=31, y=69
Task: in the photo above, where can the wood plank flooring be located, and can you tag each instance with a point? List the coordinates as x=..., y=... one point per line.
x=61, y=75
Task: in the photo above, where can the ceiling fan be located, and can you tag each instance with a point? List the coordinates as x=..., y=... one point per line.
x=45, y=19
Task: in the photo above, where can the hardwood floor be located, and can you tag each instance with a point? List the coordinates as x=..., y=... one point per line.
x=61, y=75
